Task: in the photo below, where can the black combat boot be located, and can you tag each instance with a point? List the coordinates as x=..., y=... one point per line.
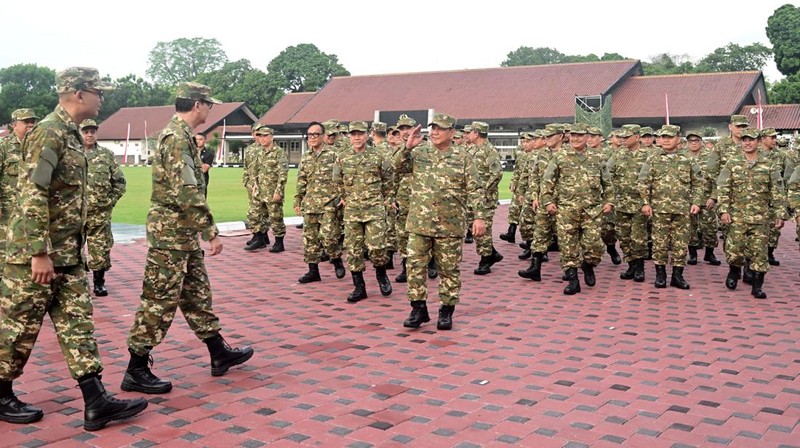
x=383, y=281
x=432, y=271
x=260, y=242
x=534, y=272
x=510, y=235
x=278, y=246
x=12, y=410
x=250, y=241
x=419, y=314
x=734, y=274
x=758, y=283
x=692, y=256
x=101, y=408
x=611, y=249
x=338, y=267
x=468, y=238
x=526, y=253
x=588, y=274
x=312, y=275
x=710, y=257
x=298, y=226
x=638, y=273
x=677, y=279
x=496, y=257
x=525, y=245
x=139, y=378
x=771, y=259
x=628, y=273
x=747, y=274
x=223, y=356
x=360, y=291
x=390, y=263
x=365, y=253
x=661, y=276
x=100, y=283
x=324, y=256
x=553, y=247
x=484, y=266
x=574, y=285
x=545, y=258
x=445, y=321
x=402, y=277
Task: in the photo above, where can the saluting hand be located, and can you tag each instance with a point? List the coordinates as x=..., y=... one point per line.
x=415, y=138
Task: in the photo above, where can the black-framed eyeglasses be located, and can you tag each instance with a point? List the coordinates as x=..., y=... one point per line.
x=99, y=93
x=209, y=104
x=314, y=134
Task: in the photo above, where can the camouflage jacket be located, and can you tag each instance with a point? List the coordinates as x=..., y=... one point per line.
x=723, y=150
x=751, y=192
x=250, y=154
x=106, y=183
x=671, y=182
x=624, y=168
x=443, y=184
x=521, y=178
x=778, y=158
x=793, y=189
x=401, y=182
x=577, y=180
x=316, y=191
x=387, y=152
x=10, y=157
x=51, y=210
x=267, y=170
x=487, y=161
x=178, y=208
x=364, y=181
x=536, y=168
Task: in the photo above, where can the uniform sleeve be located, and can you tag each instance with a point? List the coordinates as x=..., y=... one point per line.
x=547, y=187
x=778, y=192
x=723, y=189
x=387, y=176
x=495, y=174
x=245, y=164
x=713, y=169
x=646, y=182
x=609, y=193
x=793, y=189
x=402, y=162
x=283, y=173
x=534, y=179
x=697, y=185
x=302, y=184
x=118, y=183
x=475, y=195
x=338, y=178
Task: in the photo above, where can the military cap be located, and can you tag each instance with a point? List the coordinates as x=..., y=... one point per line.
x=391, y=129
x=694, y=132
x=444, y=121
x=467, y=128
x=646, y=130
x=769, y=132
x=405, y=120
x=539, y=133
x=528, y=135
x=331, y=127
x=379, y=126
x=343, y=128
x=23, y=114
x=263, y=130
x=594, y=130
x=195, y=91
x=750, y=132
x=578, y=128
x=669, y=130
x=256, y=126
x=783, y=142
x=739, y=120
x=480, y=127
x=566, y=127
x=458, y=134
x=550, y=130
x=629, y=129
x=358, y=126
x=88, y=123
x=75, y=79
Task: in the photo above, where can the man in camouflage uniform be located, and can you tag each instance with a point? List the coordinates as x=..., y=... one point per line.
x=647, y=139
x=515, y=209
x=175, y=273
x=22, y=121
x=45, y=267
x=315, y=197
x=251, y=153
x=704, y=224
x=363, y=179
x=577, y=190
x=487, y=161
x=793, y=195
x=724, y=149
x=402, y=194
x=532, y=142
x=206, y=157
x=265, y=173
x=444, y=180
x=608, y=232
x=106, y=185
x=750, y=199
x=769, y=145
x=379, y=136
x=671, y=189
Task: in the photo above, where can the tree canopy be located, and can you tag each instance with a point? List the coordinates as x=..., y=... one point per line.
x=304, y=68
x=239, y=81
x=184, y=60
x=27, y=85
x=545, y=55
x=783, y=31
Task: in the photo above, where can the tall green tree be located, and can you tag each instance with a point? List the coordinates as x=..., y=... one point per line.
x=304, y=68
x=735, y=58
x=27, y=85
x=786, y=91
x=133, y=91
x=668, y=64
x=533, y=56
x=240, y=81
x=783, y=31
x=184, y=60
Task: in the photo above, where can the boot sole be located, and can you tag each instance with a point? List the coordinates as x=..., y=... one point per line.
x=133, y=387
x=30, y=419
x=219, y=371
x=310, y=281
x=444, y=327
x=101, y=294
x=407, y=325
x=386, y=293
x=100, y=424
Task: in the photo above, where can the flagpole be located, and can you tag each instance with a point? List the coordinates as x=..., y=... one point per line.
x=666, y=105
x=127, y=140
x=221, y=142
x=146, y=146
x=760, y=119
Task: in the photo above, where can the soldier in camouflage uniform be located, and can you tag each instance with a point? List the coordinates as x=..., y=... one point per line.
x=724, y=149
x=704, y=225
x=793, y=194
x=671, y=189
x=379, y=135
x=175, y=273
x=315, y=197
x=515, y=209
x=487, y=161
x=750, y=199
x=22, y=121
x=577, y=190
x=769, y=145
x=251, y=153
x=363, y=178
x=402, y=195
x=444, y=180
x=45, y=270
x=532, y=142
x=106, y=185
x=609, y=232
x=265, y=173
x=470, y=148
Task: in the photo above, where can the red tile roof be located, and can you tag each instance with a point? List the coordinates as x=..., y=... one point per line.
x=778, y=116
x=285, y=108
x=494, y=93
x=694, y=95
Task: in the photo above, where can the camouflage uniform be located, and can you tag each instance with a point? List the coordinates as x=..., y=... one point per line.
x=723, y=150
x=402, y=194
x=515, y=209
x=778, y=157
x=387, y=152
x=630, y=224
x=10, y=158
x=704, y=225
x=316, y=198
x=544, y=223
x=487, y=161
x=106, y=185
x=521, y=189
x=265, y=173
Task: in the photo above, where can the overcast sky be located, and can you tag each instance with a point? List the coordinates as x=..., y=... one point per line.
x=373, y=37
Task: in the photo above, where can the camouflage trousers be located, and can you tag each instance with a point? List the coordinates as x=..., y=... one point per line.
x=3, y=228
x=263, y=215
x=401, y=241
x=447, y=252
x=485, y=243
x=579, y=238
x=470, y=216
x=99, y=240
x=321, y=228
x=774, y=236
x=670, y=233
x=608, y=230
x=747, y=242
x=632, y=234
x=23, y=305
x=514, y=209
x=371, y=234
x=391, y=231
x=703, y=231
x=544, y=229
x=527, y=222
x=172, y=279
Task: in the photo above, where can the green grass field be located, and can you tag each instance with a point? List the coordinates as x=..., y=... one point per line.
x=226, y=195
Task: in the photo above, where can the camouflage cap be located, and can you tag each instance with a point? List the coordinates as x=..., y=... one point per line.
x=646, y=130
x=23, y=114
x=769, y=132
x=405, y=120
x=358, y=126
x=88, y=123
x=750, y=132
x=694, y=132
x=391, y=129
x=256, y=126
x=669, y=130
x=379, y=126
x=444, y=121
x=331, y=128
x=739, y=120
x=566, y=127
x=480, y=127
x=263, y=130
x=75, y=79
x=594, y=130
x=458, y=134
x=629, y=129
x=551, y=130
x=195, y=91
x=343, y=128
x=539, y=133
x=578, y=128
x=467, y=128
x=526, y=136
x=783, y=142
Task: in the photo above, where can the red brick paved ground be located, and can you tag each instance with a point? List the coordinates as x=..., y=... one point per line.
x=621, y=364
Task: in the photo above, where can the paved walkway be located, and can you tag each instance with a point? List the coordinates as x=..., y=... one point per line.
x=621, y=364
